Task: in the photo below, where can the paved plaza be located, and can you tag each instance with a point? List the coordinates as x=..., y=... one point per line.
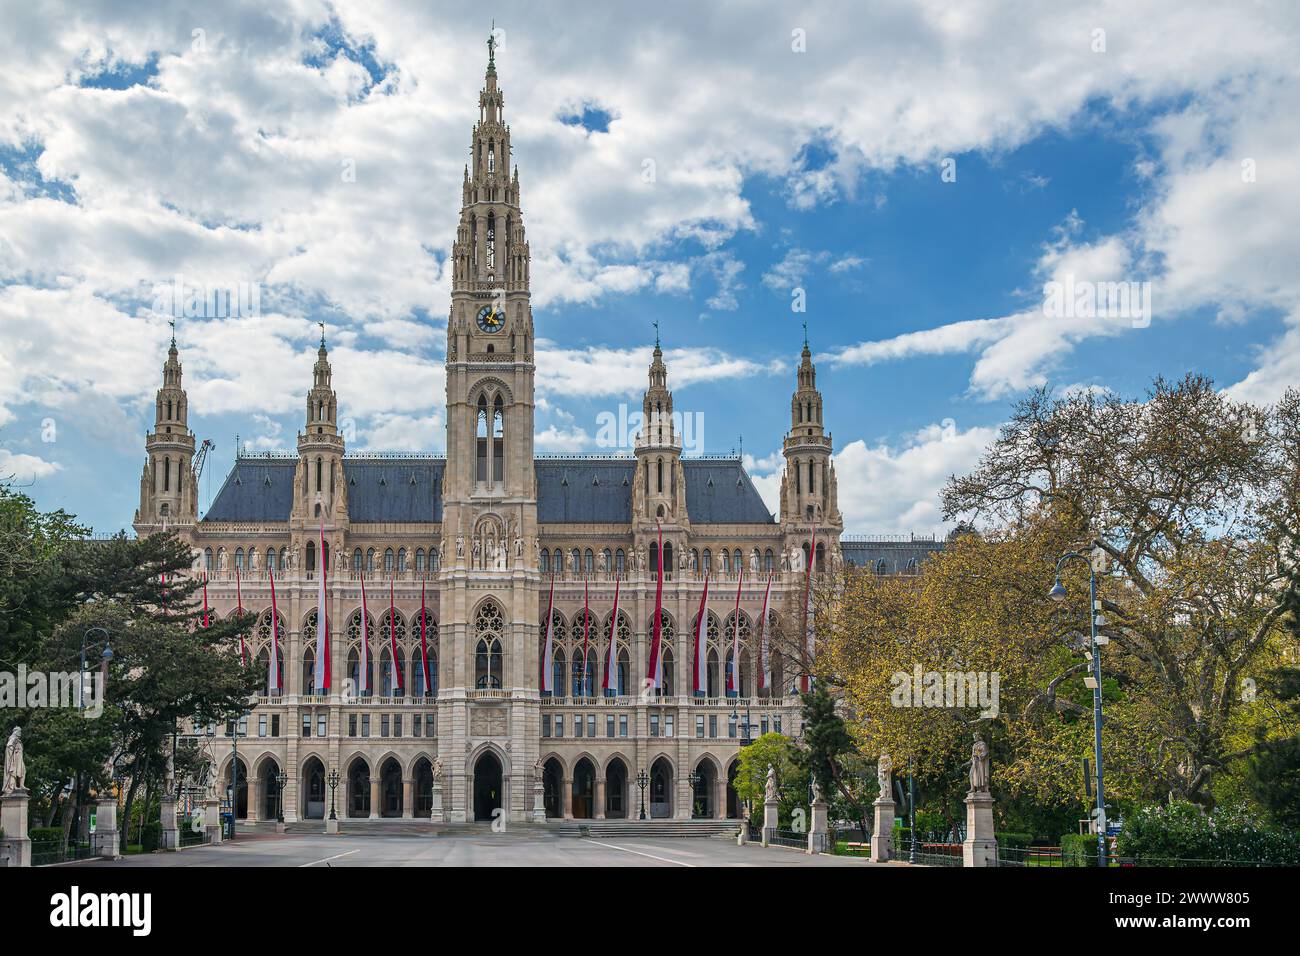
x=514, y=848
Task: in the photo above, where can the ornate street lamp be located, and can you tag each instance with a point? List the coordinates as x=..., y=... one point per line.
x=280, y=779
x=694, y=778
x=642, y=781
x=334, y=782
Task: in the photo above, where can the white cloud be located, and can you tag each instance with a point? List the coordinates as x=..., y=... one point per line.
x=600, y=371
x=24, y=469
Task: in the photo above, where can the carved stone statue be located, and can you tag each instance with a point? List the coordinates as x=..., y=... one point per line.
x=460, y=546
x=602, y=564
x=519, y=547
x=474, y=556
x=293, y=558
x=785, y=560
x=252, y=559
x=796, y=559
x=884, y=774
x=979, y=766
x=816, y=792
x=769, y=788
x=221, y=559
x=15, y=774
x=539, y=769
x=169, y=774
x=503, y=556
x=436, y=770
x=642, y=563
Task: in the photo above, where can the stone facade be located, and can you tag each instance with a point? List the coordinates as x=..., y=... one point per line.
x=481, y=536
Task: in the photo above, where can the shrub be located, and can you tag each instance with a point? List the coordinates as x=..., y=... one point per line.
x=1015, y=841
x=1183, y=834
x=1079, y=849
x=151, y=836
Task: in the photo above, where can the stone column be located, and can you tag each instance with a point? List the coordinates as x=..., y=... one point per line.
x=568, y=799
x=211, y=820
x=171, y=836
x=539, y=802
x=17, y=846
x=598, y=812
x=408, y=795
x=882, y=835
x=819, y=837
x=980, y=847
x=436, y=814
x=106, y=835
x=771, y=820
x=374, y=798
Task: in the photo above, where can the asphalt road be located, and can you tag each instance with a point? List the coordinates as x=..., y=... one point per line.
x=512, y=848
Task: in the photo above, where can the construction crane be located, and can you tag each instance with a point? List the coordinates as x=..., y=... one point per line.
x=202, y=459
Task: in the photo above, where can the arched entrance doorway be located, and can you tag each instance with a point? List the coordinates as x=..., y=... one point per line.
x=616, y=789
x=552, y=782
x=584, y=790
x=240, y=795
x=313, y=790
x=423, y=788
x=390, y=788
x=487, y=786
x=661, y=789
x=359, y=788
x=270, y=790
x=733, y=800
x=705, y=786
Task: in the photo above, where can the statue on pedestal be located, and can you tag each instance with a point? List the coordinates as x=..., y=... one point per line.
x=979, y=766
x=769, y=789
x=436, y=771
x=15, y=772
x=884, y=774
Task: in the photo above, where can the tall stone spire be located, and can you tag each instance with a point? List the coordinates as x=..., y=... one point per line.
x=167, y=492
x=660, y=493
x=808, y=487
x=319, y=488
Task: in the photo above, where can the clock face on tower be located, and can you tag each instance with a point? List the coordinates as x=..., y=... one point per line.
x=490, y=319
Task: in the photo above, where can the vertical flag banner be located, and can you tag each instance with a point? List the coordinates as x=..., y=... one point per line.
x=363, y=677
x=239, y=612
x=322, y=672
x=273, y=667
x=205, y=600
x=586, y=634
x=805, y=679
x=610, y=680
x=699, y=674
x=547, y=649
x=392, y=638
x=733, y=677
x=764, y=659
x=424, y=644
x=653, y=671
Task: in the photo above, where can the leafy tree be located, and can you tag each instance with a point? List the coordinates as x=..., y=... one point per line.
x=770, y=750
x=828, y=752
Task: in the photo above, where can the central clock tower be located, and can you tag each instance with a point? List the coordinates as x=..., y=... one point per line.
x=489, y=523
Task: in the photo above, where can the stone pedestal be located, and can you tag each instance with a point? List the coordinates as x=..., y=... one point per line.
x=106, y=836
x=331, y=826
x=980, y=847
x=882, y=834
x=819, y=837
x=212, y=821
x=13, y=820
x=539, y=803
x=171, y=835
x=771, y=820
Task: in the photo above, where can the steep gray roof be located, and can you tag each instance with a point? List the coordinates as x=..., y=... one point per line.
x=569, y=491
x=898, y=556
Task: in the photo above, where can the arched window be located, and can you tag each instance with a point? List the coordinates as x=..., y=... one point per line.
x=668, y=559
x=239, y=559
x=434, y=560
x=545, y=561
x=726, y=560
x=481, y=440
x=354, y=634
x=167, y=474
x=498, y=441
x=742, y=682
x=660, y=477
x=419, y=559
x=270, y=559
x=768, y=560
x=557, y=671
x=575, y=561
x=737, y=560
x=388, y=560
x=589, y=561
x=708, y=560
x=308, y=638
x=311, y=555
x=401, y=559
x=207, y=559
x=654, y=557
x=624, y=639
x=489, y=625
x=370, y=559
x=319, y=467
x=620, y=561
x=356, y=560
x=430, y=642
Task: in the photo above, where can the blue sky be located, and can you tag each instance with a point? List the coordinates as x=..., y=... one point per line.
x=216, y=142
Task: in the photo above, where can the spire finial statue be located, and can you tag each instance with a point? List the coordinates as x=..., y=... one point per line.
x=805, y=335
x=322, y=334
x=492, y=42
x=172, y=323
x=656, y=325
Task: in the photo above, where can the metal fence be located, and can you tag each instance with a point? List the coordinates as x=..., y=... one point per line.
x=1053, y=856
x=47, y=852
x=928, y=852
x=790, y=838
x=189, y=836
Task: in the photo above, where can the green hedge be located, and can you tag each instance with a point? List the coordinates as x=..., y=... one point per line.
x=1183, y=834
x=45, y=834
x=151, y=836
x=1015, y=841
x=1079, y=849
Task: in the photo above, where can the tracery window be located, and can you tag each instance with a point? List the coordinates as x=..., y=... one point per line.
x=489, y=626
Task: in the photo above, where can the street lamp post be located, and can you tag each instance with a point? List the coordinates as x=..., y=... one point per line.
x=334, y=782
x=280, y=779
x=106, y=657
x=694, y=778
x=642, y=781
x=1095, y=618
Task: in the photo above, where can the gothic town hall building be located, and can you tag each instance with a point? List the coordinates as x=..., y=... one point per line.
x=481, y=534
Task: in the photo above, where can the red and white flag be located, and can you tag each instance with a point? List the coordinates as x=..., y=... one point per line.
x=548, y=650
x=586, y=633
x=322, y=672
x=806, y=679
x=610, y=680
x=654, y=673
x=699, y=667
x=363, y=676
x=392, y=638
x=733, y=675
x=424, y=644
x=273, y=666
x=764, y=660
x=205, y=599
